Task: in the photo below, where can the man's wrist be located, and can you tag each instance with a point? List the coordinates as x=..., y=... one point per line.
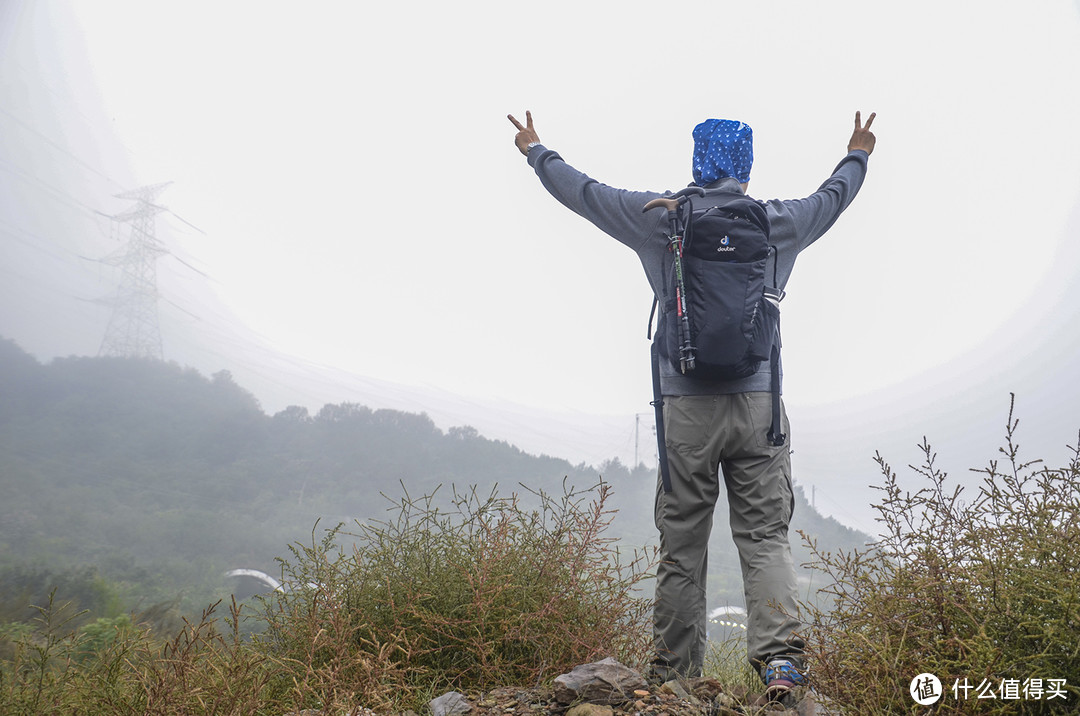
x=529, y=147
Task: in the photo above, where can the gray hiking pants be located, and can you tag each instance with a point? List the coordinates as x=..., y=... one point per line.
x=706, y=435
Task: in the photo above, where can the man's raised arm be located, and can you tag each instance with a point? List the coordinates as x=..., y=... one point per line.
x=617, y=212
x=815, y=214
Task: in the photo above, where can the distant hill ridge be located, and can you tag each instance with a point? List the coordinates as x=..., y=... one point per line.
x=143, y=467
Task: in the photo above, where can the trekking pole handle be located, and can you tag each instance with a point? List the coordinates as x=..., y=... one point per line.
x=673, y=202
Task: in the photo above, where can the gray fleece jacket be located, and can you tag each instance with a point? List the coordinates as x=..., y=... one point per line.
x=795, y=224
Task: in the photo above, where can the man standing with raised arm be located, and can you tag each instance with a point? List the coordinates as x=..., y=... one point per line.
x=712, y=427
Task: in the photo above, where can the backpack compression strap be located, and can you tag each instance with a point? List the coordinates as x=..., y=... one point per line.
x=776, y=437
x=658, y=405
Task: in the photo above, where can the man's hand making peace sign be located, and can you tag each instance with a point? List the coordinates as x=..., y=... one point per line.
x=862, y=138
x=527, y=135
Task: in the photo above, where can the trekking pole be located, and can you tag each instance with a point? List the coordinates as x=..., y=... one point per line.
x=672, y=204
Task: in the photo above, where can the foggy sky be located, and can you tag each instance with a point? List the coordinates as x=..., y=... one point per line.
x=353, y=222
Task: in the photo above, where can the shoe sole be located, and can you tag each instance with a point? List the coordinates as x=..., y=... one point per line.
x=776, y=692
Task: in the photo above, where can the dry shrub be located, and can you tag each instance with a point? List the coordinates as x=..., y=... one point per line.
x=483, y=593
x=975, y=592
x=199, y=670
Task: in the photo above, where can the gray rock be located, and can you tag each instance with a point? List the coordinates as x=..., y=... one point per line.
x=449, y=704
x=674, y=688
x=590, y=710
x=602, y=682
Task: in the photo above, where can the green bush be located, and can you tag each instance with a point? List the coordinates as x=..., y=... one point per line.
x=980, y=592
x=482, y=594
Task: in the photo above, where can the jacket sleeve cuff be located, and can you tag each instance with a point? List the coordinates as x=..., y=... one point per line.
x=535, y=153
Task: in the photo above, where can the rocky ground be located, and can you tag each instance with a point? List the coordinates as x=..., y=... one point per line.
x=696, y=697
x=607, y=688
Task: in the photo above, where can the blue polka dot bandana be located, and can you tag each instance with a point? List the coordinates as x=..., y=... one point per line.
x=722, y=148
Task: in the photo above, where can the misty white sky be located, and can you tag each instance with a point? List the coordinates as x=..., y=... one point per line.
x=361, y=209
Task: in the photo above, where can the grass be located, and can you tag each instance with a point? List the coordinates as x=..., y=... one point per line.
x=480, y=593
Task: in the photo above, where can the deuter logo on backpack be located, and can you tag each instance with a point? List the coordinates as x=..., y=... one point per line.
x=734, y=225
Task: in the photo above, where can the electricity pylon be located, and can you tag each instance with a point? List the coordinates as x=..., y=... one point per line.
x=133, y=329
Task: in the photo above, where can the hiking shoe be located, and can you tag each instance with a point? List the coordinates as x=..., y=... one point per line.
x=781, y=676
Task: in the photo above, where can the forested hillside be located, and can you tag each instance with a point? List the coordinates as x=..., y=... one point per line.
x=157, y=479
